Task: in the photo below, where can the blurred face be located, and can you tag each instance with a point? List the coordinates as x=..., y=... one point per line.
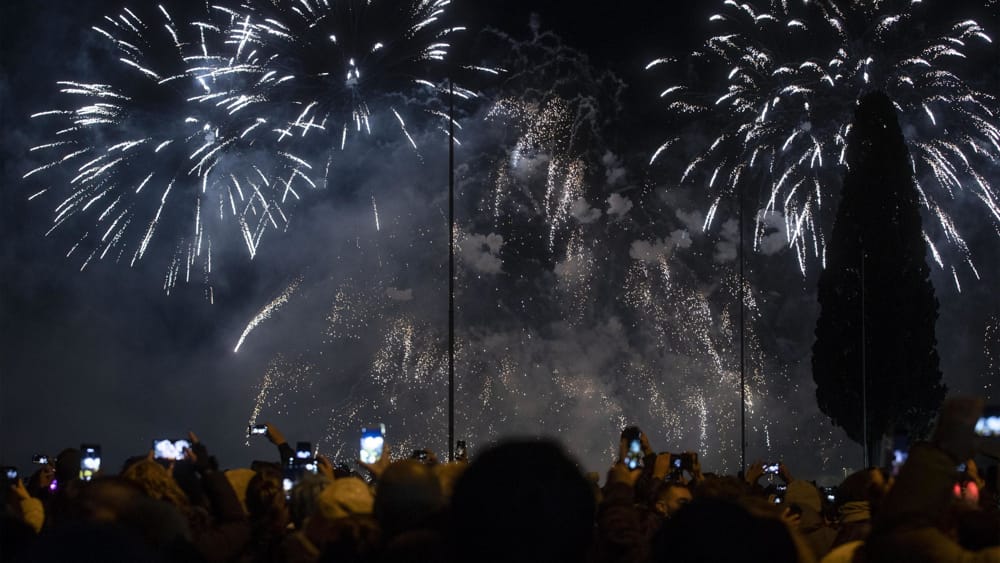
x=672, y=500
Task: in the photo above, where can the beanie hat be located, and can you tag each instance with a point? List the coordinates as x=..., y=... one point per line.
x=238, y=480
x=345, y=497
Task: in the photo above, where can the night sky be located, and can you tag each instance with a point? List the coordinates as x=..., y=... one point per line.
x=553, y=341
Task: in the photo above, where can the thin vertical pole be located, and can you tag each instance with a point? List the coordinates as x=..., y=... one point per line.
x=743, y=386
x=864, y=367
x=451, y=271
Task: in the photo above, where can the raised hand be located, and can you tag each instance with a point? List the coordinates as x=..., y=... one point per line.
x=379, y=467
x=754, y=472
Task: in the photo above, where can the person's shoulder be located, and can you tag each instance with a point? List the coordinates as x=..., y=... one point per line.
x=843, y=553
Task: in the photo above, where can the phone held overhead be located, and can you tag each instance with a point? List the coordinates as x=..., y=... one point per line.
x=170, y=450
x=372, y=443
x=90, y=461
x=633, y=453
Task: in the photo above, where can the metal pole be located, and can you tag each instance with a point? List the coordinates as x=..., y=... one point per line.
x=743, y=388
x=864, y=367
x=451, y=271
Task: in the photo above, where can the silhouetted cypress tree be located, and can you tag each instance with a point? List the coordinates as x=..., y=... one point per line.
x=878, y=308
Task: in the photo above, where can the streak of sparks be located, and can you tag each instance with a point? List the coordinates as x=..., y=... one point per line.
x=267, y=311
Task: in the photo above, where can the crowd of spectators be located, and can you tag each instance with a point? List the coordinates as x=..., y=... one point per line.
x=518, y=501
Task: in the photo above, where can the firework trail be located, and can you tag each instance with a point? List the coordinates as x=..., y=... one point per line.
x=279, y=389
x=779, y=83
x=166, y=148
x=267, y=311
x=541, y=151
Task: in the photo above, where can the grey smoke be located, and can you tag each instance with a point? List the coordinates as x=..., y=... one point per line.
x=614, y=170
x=773, y=239
x=482, y=252
x=726, y=247
x=659, y=249
x=583, y=212
x=618, y=205
x=693, y=221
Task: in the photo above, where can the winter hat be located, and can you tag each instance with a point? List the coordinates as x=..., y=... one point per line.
x=238, y=480
x=345, y=497
x=803, y=494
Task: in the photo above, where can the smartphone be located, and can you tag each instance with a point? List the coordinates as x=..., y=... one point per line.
x=460, y=450
x=304, y=458
x=303, y=450
x=631, y=433
x=683, y=461
x=173, y=450
x=10, y=474
x=40, y=459
x=772, y=468
x=989, y=424
x=256, y=429
x=829, y=493
x=372, y=442
x=961, y=468
x=419, y=455
x=633, y=457
x=90, y=461
x=898, y=459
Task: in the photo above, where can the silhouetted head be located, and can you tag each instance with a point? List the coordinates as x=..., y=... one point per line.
x=117, y=501
x=67, y=466
x=407, y=496
x=266, y=502
x=671, y=497
x=711, y=530
x=156, y=481
x=448, y=474
x=522, y=501
x=305, y=497
x=866, y=485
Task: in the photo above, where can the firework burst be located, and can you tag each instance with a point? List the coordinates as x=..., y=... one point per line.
x=342, y=64
x=779, y=84
x=167, y=149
